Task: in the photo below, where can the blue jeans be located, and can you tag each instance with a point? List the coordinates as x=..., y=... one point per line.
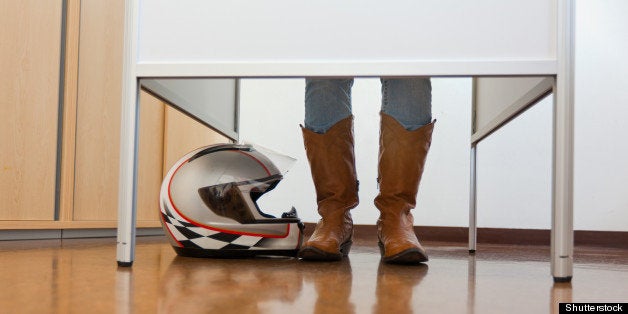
x=327, y=101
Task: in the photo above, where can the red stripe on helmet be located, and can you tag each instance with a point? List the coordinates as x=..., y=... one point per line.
x=198, y=224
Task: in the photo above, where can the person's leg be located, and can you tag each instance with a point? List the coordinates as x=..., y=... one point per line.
x=327, y=101
x=405, y=138
x=328, y=140
x=408, y=101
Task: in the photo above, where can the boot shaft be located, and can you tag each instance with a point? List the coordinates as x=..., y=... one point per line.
x=402, y=156
x=332, y=163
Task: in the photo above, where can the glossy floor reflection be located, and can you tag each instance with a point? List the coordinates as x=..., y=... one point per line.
x=77, y=276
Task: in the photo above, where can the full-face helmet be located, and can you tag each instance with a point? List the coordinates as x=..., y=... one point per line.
x=209, y=205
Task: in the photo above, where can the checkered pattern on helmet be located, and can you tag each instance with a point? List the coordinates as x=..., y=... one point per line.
x=192, y=236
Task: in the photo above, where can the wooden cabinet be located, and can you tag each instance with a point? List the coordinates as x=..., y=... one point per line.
x=98, y=110
x=29, y=107
x=60, y=119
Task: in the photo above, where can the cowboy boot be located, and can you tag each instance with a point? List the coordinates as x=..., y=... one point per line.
x=332, y=163
x=402, y=155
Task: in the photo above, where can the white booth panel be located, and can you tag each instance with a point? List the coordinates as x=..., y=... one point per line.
x=213, y=102
x=341, y=33
x=498, y=98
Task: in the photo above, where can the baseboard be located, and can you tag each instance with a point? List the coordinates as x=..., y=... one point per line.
x=610, y=239
x=71, y=233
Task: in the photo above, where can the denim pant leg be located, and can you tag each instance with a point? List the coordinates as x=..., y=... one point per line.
x=327, y=101
x=408, y=100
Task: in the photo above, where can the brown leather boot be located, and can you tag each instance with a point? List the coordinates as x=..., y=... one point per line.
x=402, y=155
x=332, y=162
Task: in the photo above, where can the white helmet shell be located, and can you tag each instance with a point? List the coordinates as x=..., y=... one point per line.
x=208, y=205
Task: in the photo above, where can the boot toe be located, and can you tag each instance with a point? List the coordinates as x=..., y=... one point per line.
x=408, y=256
x=314, y=251
x=402, y=252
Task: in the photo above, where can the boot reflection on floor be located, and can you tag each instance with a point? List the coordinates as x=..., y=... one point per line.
x=332, y=283
x=395, y=285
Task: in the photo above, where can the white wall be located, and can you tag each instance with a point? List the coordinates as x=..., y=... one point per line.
x=443, y=199
x=601, y=111
x=514, y=164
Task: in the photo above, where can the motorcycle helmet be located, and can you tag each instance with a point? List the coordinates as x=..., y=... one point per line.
x=209, y=209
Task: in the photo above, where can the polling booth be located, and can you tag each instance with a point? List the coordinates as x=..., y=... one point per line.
x=192, y=54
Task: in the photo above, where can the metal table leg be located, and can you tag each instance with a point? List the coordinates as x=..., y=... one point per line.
x=128, y=183
x=128, y=140
x=562, y=176
x=473, y=202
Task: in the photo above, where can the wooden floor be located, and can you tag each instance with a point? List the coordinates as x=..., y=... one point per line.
x=81, y=276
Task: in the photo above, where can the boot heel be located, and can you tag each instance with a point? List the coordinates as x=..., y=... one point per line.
x=345, y=248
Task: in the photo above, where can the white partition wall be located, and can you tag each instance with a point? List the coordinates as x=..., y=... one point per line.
x=303, y=31
x=213, y=102
x=326, y=37
x=497, y=100
x=297, y=38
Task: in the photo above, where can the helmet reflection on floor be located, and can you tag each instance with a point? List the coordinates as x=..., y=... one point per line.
x=208, y=205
